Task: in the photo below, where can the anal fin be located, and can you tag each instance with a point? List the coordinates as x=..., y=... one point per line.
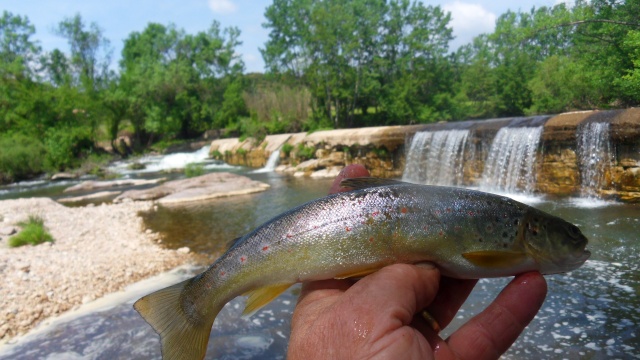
x=262, y=296
x=495, y=258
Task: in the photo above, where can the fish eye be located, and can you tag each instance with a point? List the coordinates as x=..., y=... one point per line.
x=574, y=232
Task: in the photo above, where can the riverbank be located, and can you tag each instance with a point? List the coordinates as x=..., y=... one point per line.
x=97, y=250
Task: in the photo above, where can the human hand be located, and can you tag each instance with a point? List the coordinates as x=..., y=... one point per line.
x=379, y=315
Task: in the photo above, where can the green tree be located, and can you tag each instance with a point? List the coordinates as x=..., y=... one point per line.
x=360, y=54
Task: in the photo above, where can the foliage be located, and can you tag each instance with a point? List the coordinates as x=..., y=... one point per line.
x=286, y=149
x=193, y=170
x=20, y=158
x=360, y=54
x=33, y=232
x=304, y=152
x=331, y=64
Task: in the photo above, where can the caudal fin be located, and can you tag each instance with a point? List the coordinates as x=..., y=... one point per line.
x=181, y=337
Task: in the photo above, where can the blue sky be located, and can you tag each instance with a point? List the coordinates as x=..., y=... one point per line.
x=118, y=18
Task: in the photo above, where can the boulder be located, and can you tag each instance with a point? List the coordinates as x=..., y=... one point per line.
x=198, y=188
x=94, y=185
x=98, y=195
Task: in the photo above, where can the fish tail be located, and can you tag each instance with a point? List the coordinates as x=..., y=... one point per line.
x=182, y=337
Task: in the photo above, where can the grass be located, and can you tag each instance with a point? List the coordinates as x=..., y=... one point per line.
x=193, y=170
x=33, y=233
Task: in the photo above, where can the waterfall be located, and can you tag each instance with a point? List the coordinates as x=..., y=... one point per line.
x=595, y=156
x=271, y=164
x=436, y=157
x=510, y=164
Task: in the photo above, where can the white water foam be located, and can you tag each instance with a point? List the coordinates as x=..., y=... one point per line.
x=156, y=163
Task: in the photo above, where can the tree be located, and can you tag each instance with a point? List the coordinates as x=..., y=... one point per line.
x=360, y=54
x=175, y=81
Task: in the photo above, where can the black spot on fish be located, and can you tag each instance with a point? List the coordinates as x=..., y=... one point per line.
x=516, y=222
x=505, y=235
x=504, y=245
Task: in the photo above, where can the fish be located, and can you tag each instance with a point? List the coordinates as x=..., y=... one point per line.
x=466, y=233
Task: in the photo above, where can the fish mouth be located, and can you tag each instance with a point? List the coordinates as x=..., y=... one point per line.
x=579, y=260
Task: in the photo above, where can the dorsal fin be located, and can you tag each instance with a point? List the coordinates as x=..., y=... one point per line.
x=368, y=182
x=232, y=243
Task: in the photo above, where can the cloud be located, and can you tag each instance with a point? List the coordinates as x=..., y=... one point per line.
x=222, y=6
x=468, y=21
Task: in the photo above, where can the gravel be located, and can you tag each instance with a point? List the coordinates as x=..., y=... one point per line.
x=97, y=250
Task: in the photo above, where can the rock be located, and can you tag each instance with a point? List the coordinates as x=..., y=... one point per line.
x=184, y=250
x=93, y=185
x=331, y=172
x=98, y=195
x=63, y=176
x=8, y=230
x=199, y=188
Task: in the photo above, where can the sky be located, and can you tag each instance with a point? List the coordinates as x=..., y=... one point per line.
x=119, y=18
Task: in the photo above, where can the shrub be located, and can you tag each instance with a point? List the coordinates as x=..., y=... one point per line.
x=193, y=170
x=20, y=157
x=286, y=149
x=33, y=232
x=305, y=152
x=65, y=146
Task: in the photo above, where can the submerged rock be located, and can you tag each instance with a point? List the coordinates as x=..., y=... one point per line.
x=203, y=187
x=98, y=195
x=93, y=185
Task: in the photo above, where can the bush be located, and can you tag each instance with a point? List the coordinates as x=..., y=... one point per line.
x=286, y=149
x=193, y=170
x=305, y=152
x=65, y=146
x=20, y=158
x=33, y=232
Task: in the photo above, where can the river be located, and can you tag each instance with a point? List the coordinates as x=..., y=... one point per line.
x=591, y=312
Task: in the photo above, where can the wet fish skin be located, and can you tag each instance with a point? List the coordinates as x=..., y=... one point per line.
x=466, y=233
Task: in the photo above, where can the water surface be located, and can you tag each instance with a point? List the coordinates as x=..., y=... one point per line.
x=592, y=312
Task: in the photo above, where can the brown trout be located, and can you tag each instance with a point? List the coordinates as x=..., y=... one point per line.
x=467, y=234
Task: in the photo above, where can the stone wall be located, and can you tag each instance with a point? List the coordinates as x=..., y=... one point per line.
x=382, y=151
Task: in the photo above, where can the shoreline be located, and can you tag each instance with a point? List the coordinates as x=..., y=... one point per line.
x=97, y=250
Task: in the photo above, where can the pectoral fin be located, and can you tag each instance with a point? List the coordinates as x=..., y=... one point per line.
x=357, y=273
x=262, y=296
x=495, y=258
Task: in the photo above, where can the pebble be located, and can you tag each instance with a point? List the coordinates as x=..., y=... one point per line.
x=95, y=252
x=184, y=250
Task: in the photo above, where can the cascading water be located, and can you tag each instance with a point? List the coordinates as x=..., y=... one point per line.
x=271, y=164
x=595, y=156
x=510, y=165
x=436, y=157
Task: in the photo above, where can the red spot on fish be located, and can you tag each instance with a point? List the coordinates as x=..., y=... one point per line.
x=375, y=213
x=265, y=248
x=348, y=228
x=441, y=233
x=404, y=210
x=243, y=259
x=289, y=236
x=471, y=213
x=437, y=212
x=448, y=210
x=371, y=239
x=222, y=273
x=426, y=228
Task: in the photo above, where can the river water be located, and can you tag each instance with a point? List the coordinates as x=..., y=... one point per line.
x=590, y=313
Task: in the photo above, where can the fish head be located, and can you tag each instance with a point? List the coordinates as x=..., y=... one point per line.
x=556, y=245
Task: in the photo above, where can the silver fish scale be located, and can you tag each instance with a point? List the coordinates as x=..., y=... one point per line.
x=374, y=226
